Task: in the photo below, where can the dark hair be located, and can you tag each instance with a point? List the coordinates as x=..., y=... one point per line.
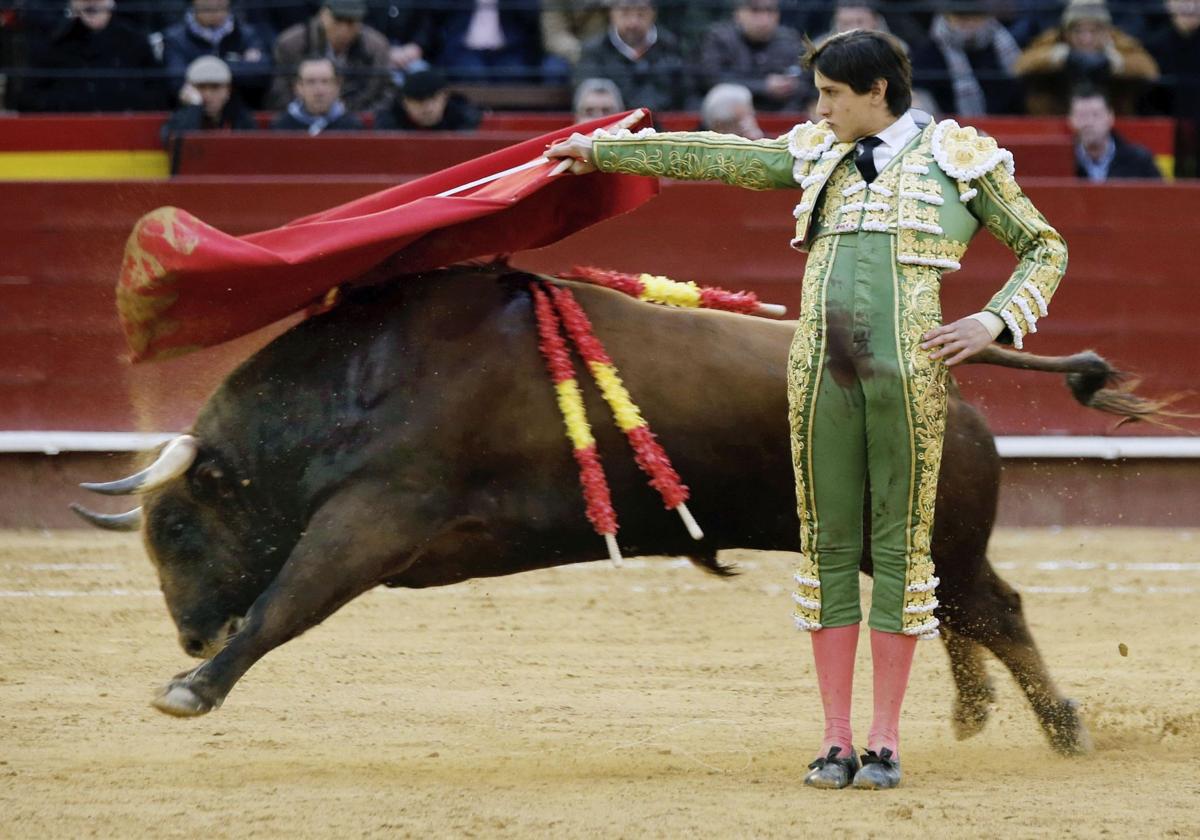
x=1090, y=91
x=313, y=58
x=858, y=57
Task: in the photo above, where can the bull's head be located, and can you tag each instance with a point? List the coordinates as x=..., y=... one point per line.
x=189, y=525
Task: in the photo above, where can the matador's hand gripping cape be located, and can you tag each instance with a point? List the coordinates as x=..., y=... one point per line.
x=185, y=285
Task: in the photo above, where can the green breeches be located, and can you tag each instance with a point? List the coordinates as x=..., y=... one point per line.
x=867, y=411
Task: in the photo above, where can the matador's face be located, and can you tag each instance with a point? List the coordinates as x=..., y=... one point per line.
x=851, y=115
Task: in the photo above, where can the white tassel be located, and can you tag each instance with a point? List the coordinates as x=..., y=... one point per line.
x=1037, y=296
x=1011, y=323
x=1030, y=318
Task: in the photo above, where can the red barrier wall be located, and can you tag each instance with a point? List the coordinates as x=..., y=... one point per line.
x=1129, y=292
x=355, y=153
x=46, y=132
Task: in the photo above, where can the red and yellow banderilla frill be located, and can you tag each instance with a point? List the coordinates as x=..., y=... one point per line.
x=570, y=402
x=648, y=453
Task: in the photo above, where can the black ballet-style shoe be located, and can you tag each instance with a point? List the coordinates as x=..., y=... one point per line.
x=830, y=772
x=880, y=771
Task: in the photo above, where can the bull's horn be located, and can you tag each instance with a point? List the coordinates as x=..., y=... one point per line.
x=131, y=520
x=172, y=462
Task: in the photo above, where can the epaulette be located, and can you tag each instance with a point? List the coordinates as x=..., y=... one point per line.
x=808, y=141
x=964, y=155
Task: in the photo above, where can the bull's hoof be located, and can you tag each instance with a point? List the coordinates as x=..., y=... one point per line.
x=1066, y=731
x=971, y=713
x=179, y=700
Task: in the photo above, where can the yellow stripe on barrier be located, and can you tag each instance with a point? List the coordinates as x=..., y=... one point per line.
x=83, y=166
x=626, y=414
x=570, y=403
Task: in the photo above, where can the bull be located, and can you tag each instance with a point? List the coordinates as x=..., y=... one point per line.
x=410, y=438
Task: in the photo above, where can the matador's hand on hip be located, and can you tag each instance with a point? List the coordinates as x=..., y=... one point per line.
x=577, y=148
x=958, y=341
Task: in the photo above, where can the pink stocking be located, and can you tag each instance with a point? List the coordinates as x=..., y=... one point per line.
x=891, y=659
x=833, y=652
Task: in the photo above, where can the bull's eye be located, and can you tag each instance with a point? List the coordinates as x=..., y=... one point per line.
x=209, y=482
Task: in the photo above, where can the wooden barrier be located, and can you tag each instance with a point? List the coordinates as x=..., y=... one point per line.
x=1042, y=146
x=355, y=153
x=1125, y=294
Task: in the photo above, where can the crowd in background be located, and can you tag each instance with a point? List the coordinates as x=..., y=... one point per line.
x=324, y=64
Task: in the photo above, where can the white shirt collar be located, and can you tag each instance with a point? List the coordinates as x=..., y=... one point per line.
x=895, y=137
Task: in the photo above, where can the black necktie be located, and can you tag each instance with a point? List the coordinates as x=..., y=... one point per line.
x=865, y=159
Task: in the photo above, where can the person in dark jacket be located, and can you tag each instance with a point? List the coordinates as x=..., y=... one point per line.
x=754, y=51
x=489, y=40
x=318, y=106
x=424, y=103
x=209, y=28
x=93, y=62
x=1177, y=49
x=212, y=103
x=337, y=31
x=968, y=65
x=642, y=58
x=1100, y=153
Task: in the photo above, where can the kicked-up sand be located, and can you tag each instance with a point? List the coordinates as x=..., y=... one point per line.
x=648, y=701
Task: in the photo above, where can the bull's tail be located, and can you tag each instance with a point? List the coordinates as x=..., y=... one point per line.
x=1095, y=383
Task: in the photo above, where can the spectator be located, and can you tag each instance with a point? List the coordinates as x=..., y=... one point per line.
x=362, y=55
x=729, y=109
x=210, y=102
x=753, y=50
x=855, y=14
x=425, y=104
x=595, y=98
x=1100, y=153
x=95, y=63
x=318, y=106
x=1177, y=49
x=209, y=28
x=641, y=58
x=567, y=24
x=1085, y=50
x=490, y=40
x=968, y=65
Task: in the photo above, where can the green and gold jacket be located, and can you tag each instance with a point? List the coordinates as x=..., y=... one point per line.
x=933, y=196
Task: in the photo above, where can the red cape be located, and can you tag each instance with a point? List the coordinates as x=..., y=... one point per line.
x=185, y=285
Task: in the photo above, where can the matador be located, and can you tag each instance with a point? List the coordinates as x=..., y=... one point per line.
x=890, y=201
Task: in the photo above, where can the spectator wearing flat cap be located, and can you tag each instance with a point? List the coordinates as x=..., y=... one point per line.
x=210, y=28
x=1086, y=49
x=95, y=62
x=210, y=102
x=968, y=65
x=337, y=32
x=317, y=106
x=425, y=103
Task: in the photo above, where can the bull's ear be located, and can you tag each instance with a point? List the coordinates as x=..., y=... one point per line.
x=210, y=482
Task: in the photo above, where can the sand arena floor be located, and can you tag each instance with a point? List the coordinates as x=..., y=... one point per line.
x=652, y=701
